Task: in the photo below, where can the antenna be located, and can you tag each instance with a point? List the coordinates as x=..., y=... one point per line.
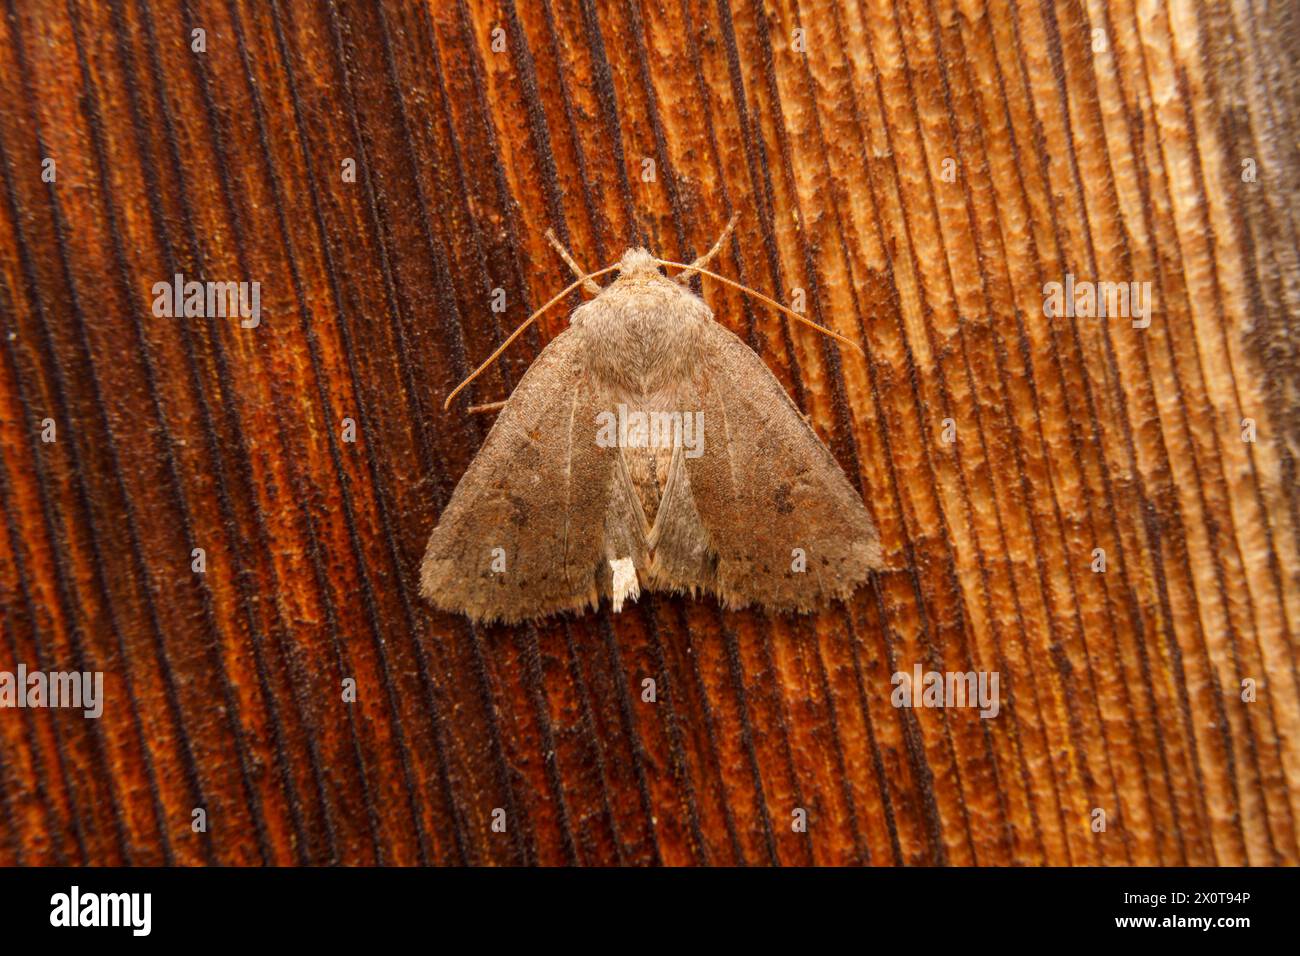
x=772, y=302
x=519, y=331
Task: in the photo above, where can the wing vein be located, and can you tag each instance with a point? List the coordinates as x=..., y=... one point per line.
x=568, y=485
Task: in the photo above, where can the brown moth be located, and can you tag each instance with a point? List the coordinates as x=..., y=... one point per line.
x=647, y=447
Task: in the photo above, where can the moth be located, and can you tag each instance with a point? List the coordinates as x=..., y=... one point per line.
x=647, y=447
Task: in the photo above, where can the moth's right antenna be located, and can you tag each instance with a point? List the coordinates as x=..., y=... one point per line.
x=519, y=331
x=705, y=259
x=695, y=267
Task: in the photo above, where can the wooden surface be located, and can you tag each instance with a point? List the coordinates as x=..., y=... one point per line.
x=1121, y=691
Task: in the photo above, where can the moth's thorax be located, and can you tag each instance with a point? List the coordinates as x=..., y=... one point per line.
x=640, y=333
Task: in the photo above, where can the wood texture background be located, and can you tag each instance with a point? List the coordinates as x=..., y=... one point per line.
x=1120, y=691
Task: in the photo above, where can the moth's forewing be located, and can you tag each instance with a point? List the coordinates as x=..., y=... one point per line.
x=788, y=529
x=524, y=533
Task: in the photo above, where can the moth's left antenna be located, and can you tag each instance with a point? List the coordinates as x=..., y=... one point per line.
x=572, y=263
x=519, y=331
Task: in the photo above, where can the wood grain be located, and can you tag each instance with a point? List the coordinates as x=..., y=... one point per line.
x=919, y=168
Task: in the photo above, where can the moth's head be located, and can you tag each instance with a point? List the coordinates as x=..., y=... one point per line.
x=638, y=262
